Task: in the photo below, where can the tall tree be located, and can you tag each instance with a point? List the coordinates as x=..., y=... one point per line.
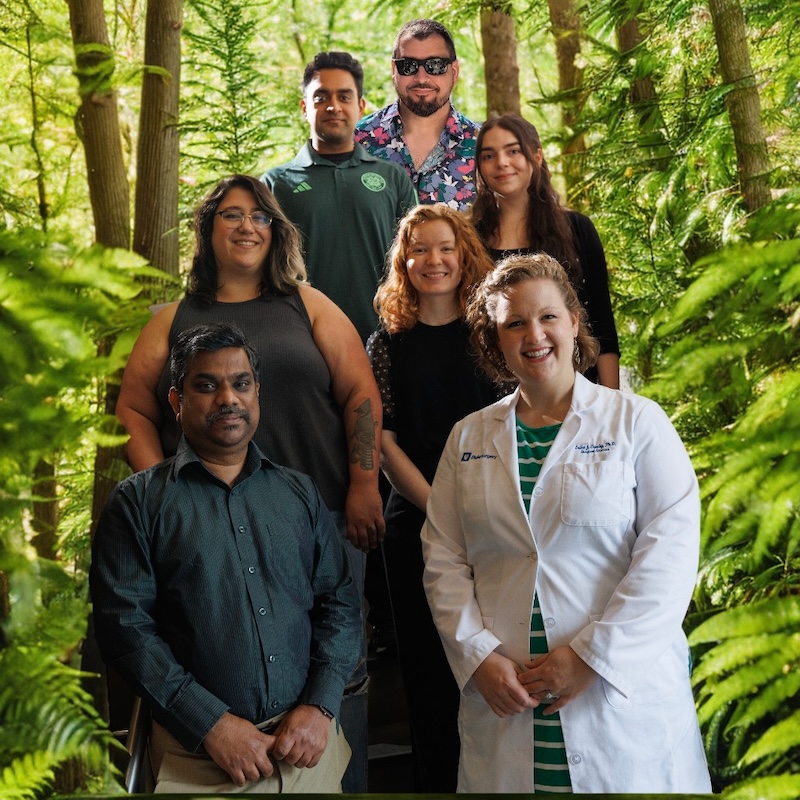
x=644, y=100
x=156, y=212
x=566, y=26
x=97, y=123
x=499, y=40
x=743, y=101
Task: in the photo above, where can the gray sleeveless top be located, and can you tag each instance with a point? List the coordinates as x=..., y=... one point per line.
x=301, y=425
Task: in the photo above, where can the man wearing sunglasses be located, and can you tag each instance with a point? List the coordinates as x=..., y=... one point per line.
x=422, y=131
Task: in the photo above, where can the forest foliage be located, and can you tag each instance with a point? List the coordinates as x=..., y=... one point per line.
x=707, y=298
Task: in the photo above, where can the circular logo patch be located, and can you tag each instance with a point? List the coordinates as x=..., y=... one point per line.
x=373, y=181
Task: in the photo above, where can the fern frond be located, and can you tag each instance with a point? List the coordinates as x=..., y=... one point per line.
x=25, y=777
x=777, y=787
x=768, y=616
x=780, y=738
x=743, y=683
x=733, y=653
x=771, y=700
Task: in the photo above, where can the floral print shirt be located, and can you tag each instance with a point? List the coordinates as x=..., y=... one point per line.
x=448, y=174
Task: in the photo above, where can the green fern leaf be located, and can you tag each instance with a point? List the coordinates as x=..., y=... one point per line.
x=780, y=738
x=768, y=616
x=778, y=787
x=737, y=652
x=745, y=682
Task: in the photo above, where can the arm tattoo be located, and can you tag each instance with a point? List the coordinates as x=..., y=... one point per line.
x=362, y=449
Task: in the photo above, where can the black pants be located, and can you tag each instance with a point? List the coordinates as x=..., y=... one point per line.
x=432, y=695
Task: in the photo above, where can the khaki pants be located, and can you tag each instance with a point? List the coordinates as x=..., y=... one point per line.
x=177, y=771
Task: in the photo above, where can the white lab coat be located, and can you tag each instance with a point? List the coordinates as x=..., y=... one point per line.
x=611, y=545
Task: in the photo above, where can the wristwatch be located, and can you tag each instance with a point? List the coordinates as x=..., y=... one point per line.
x=324, y=711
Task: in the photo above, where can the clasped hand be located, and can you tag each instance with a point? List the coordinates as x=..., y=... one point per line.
x=510, y=688
x=243, y=751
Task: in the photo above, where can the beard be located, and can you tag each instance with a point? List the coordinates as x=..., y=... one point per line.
x=422, y=108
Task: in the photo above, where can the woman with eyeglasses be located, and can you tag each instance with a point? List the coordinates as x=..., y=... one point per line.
x=517, y=211
x=316, y=381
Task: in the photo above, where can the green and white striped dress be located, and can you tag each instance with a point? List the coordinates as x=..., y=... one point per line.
x=550, y=770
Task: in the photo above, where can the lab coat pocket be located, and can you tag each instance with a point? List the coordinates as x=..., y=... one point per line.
x=594, y=494
x=638, y=699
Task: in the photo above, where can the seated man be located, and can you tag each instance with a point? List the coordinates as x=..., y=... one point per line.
x=222, y=594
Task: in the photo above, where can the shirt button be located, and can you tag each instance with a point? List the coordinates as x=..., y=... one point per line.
x=274, y=704
x=271, y=659
x=538, y=491
x=241, y=529
x=575, y=759
x=251, y=570
x=262, y=611
x=532, y=556
x=549, y=622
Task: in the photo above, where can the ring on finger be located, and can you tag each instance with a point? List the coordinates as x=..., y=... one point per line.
x=549, y=697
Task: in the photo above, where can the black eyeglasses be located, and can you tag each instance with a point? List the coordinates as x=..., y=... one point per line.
x=433, y=66
x=233, y=219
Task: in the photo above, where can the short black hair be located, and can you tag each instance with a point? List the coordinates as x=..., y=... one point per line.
x=421, y=29
x=334, y=59
x=206, y=339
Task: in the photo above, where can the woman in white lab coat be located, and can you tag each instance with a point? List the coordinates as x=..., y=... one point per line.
x=561, y=548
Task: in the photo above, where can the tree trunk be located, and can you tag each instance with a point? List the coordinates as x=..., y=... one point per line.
x=156, y=219
x=644, y=98
x=45, y=510
x=97, y=123
x=565, y=24
x=499, y=40
x=743, y=102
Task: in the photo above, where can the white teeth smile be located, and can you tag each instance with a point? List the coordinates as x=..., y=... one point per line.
x=537, y=353
x=247, y=243
x=435, y=274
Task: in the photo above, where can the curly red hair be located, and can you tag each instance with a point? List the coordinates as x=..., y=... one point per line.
x=396, y=301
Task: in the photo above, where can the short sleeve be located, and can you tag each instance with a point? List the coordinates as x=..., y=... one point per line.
x=381, y=360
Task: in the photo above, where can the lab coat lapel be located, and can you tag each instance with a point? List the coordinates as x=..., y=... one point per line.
x=504, y=439
x=584, y=393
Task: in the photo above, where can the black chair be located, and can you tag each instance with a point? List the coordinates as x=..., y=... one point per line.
x=139, y=777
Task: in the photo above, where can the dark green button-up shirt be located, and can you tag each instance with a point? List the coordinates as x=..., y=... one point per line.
x=209, y=598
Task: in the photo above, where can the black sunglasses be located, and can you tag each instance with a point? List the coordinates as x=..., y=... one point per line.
x=433, y=66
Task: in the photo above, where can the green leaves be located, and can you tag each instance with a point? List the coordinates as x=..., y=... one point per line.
x=57, y=303
x=746, y=682
x=47, y=718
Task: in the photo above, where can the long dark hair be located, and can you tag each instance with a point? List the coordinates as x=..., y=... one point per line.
x=549, y=228
x=283, y=269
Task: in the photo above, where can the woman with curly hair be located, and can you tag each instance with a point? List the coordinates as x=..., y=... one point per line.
x=429, y=379
x=561, y=547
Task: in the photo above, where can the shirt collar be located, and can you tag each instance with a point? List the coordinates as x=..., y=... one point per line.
x=308, y=157
x=185, y=455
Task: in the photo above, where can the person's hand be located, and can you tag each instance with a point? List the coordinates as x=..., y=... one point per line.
x=496, y=679
x=302, y=736
x=238, y=747
x=364, y=511
x=561, y=672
